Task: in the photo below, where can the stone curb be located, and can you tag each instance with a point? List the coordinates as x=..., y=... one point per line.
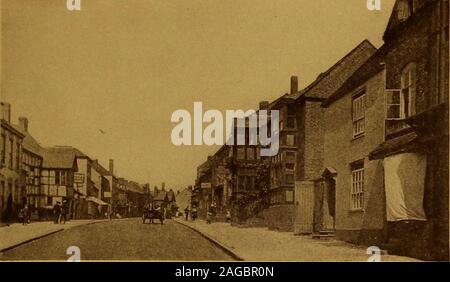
x=227, y=250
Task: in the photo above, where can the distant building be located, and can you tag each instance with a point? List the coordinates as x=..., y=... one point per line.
x=12, y=186
x=32, y=162
x=300, y=158
x=57, y=178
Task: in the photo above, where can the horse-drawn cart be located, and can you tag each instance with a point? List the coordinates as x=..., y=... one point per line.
x=153, y=213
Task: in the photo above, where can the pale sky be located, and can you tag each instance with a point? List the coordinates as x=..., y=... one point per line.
x=123, y=67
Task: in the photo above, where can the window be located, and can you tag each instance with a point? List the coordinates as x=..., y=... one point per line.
x=63, y=178
x=290, y=140
x=57, y=177
x=405, y=9
x=11, y=150
x=291, y=122
x=358, y=114
x=250, y=153
x=17, y=156
x=289, y=178
x=290, y=157
x=241, y=153
x=393, y=104
x=357, y=189
x=3, y=149
x=408, y=90
x=289, y=196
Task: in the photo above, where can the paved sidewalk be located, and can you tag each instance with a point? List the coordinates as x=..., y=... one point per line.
x=17, y=234
x=261, y=244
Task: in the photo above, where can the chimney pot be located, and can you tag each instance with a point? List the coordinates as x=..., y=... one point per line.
x=6, y=111
x=111, y=166
x=294, y=84
x=264, y=105
x=23, y=123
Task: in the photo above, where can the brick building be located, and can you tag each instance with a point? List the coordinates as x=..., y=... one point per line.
x=387, y=164
x=57, y=178
x=300, y=159
x=32, y=162
x=12, y=186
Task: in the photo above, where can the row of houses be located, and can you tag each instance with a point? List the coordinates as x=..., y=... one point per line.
x=363, y=149
x=39, y=177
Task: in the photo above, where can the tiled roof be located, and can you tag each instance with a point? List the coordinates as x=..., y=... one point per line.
x=29, y=143
x=171, y=196
x=60, y=157
x=160, y=196
x=371, y=67
x=338, y=73
x=100, y=169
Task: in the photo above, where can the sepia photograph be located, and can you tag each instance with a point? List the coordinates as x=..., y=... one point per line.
x=224, y=131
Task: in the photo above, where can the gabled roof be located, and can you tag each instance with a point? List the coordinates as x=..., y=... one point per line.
x=395, y=23
x=100, y=169
x=371, y=67
x=29, y=143
x=161, y=196
x=337, y=74
x=134, y=187
x=171, y=196
x=59, y=157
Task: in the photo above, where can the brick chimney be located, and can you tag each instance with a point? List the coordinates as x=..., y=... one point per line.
x=111, y=166
x=6, y=112
x=294, y=84
x=264, y=105
x=23, y=123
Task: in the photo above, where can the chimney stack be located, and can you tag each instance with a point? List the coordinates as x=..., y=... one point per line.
x=264, y=105
x=294, y=84
x=163, y=186
x=111, y=166
x=6, y=112
x=23, y=123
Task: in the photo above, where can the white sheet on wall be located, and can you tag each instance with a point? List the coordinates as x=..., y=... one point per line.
x=405, y=183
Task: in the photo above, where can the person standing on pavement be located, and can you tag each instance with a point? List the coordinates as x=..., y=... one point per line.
x=186, y=213
x=57, y=212
x=194, y=213
x=24, y=214
x=64, y=211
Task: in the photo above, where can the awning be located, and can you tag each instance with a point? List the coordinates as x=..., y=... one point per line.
x=394, y=146
x=405, y=183
x=96, y=201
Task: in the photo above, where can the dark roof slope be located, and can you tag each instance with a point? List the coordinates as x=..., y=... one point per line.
x=59, y=157
x=328, y=81
x=29, y=143
x=370, y=68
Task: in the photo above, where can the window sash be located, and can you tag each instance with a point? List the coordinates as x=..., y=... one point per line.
x=358, y=114
x=357, y=189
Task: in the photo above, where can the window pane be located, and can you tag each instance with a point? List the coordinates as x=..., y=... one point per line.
x=393, y=111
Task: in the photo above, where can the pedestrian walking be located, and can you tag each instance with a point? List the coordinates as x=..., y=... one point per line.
x=194, y=213
x=24, y=214
x=228, y=216
x=186, y=213
x=208, y=217
x=57, y=212
x=64, y=212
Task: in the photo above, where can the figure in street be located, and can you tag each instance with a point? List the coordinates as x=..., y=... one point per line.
x=64, y=211
x=57, y=212
x=186, y=213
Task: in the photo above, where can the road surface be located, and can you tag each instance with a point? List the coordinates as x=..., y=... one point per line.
x=122, y=240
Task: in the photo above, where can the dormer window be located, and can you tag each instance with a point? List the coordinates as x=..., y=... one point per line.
x=405, y=9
